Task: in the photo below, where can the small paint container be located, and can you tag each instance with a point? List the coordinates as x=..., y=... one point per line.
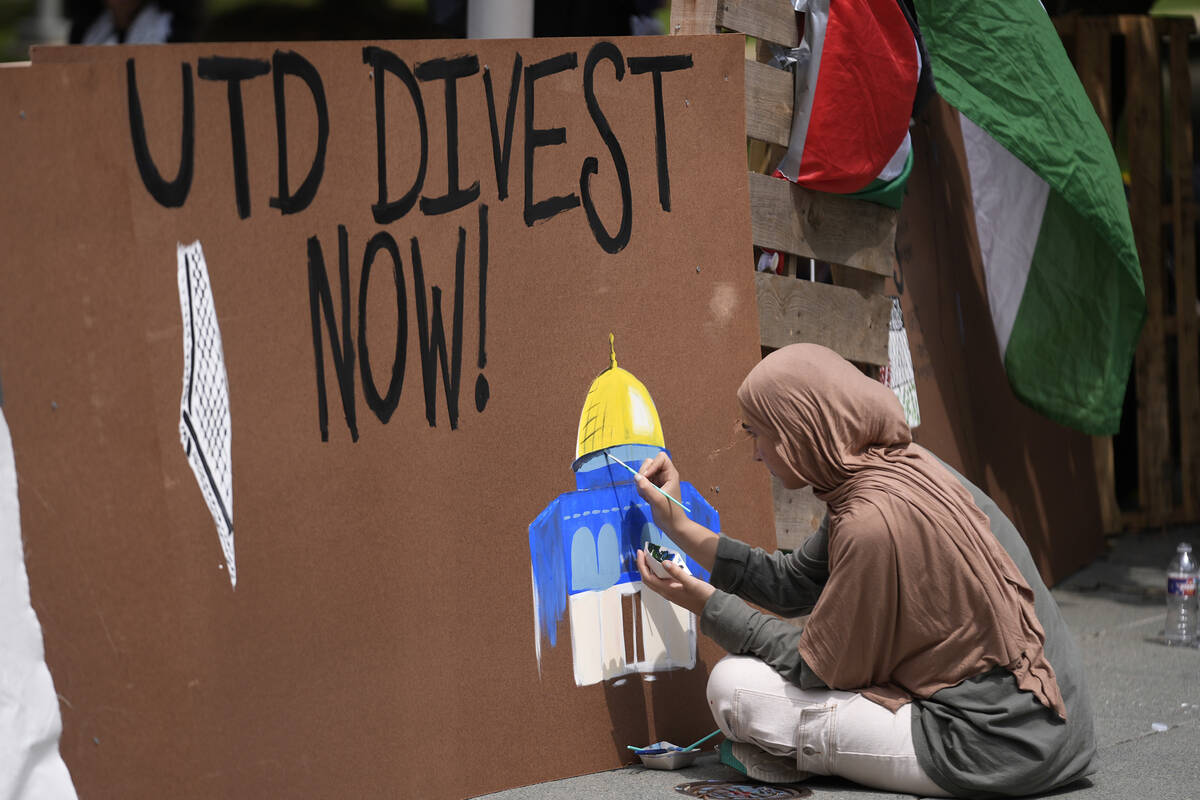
x=660, y=554
x=665, y=755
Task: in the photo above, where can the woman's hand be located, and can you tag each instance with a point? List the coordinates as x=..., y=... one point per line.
x=681, y=588
x=693, y=538
x=660, y=472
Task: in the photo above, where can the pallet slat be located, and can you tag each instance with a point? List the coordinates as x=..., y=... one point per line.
x=1090, y=39
x=693, y=17
x=826, y=227
x=1093, y=62
x=799, y=222
x=769, y=94
x=1106, y=483
x=1146, y=158
x=1183, y=224
x=793, y=310
x=773, y=20
x=860, y=281
x=1153, y=47
x=797, y=514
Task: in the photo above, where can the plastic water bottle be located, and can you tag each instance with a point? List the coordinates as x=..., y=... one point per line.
x=1182, y=576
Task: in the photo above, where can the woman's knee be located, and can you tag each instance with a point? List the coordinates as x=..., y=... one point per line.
x=723, y=681
x=730, y=674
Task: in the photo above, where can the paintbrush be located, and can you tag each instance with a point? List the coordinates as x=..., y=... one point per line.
x=650, y=750
x=656, y=488
x=699, y=742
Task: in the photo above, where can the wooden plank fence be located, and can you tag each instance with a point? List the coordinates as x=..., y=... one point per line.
x=1167, y=364
x=855, y=238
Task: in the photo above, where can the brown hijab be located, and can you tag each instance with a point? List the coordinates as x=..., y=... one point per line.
x=920, y=595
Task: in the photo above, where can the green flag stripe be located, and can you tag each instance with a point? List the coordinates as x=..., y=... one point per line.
x=1004, y=67
x=1083, y=389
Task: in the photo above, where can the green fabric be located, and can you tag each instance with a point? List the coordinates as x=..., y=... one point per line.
x=1001, y=64
x=1053, y=310
x=887, y=193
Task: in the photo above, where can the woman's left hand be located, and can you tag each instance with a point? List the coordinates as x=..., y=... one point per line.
x=681, y=588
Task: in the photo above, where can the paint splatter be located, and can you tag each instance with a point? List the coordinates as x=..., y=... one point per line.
x=204, y=425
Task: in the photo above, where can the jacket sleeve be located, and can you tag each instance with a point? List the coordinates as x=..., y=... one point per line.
x=787, y=584
x=742, y=630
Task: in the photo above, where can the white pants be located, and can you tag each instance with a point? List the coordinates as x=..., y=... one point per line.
x=827, y=732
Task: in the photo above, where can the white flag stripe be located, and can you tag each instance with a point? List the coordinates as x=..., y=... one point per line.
x=895, y=165
x=1010, y=200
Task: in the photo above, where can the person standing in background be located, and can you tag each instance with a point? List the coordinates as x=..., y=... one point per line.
x=131, y=21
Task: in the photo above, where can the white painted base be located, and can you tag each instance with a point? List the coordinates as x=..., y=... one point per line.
x=663, y=633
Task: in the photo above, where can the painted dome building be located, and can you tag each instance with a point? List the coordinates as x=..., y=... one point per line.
x=583, y=546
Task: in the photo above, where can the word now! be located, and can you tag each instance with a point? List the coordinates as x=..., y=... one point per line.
x=434, y=349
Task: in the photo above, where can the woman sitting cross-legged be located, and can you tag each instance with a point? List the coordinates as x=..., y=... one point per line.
x=934, y=662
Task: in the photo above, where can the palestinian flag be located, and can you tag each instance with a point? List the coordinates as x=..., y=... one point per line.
x=857, y=70
x=1063, y=278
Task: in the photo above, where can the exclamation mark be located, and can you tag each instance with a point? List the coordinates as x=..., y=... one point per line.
x=482, y=391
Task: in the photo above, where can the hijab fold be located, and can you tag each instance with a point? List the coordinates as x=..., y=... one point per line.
x=921, y=595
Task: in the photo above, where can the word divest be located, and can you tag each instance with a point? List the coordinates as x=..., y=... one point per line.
x=513, y=100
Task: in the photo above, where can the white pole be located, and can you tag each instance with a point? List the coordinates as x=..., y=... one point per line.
x=499, y=19
x=51, y=27
x=45, y=26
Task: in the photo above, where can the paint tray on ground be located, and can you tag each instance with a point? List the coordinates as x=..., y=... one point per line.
x=664, y=755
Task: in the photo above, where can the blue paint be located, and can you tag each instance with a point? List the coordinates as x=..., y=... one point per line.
x=585, y=562
x=658, y=489
x=601, y=525
x=549, y=570
x=595, y=559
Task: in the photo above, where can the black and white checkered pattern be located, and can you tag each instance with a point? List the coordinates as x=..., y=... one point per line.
x=204, y=424
x=899, y=375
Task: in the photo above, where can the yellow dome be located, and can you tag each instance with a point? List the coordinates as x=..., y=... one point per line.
x=617, y=410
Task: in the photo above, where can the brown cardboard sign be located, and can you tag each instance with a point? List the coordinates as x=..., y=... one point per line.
x=321, y=317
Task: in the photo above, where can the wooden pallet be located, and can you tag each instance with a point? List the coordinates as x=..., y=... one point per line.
x=1168, y=457
x=856, y=238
